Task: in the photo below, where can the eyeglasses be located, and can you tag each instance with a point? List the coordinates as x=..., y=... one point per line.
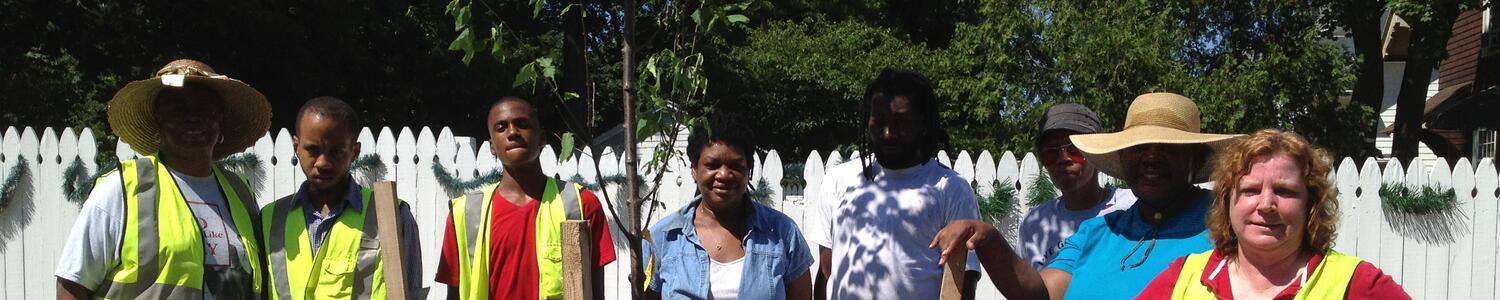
x=1050, y=155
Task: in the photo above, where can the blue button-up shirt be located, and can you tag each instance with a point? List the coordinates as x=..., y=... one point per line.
x=319, y=224
x=775, y=254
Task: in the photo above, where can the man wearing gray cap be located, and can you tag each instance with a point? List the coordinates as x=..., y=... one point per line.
x=1050, y=223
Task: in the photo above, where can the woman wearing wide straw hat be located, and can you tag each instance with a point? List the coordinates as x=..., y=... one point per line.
x=171, y=224
x=1160, y=154
x=1272, y=226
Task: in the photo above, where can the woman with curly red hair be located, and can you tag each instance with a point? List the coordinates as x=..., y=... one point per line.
x=1272, y=225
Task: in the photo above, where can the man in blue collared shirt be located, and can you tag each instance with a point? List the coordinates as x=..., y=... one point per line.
x=337, y=253
x=725, y=245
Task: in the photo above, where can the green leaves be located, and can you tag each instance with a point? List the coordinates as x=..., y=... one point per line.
x=464, y=42
x=462, y=16
x=567, y=147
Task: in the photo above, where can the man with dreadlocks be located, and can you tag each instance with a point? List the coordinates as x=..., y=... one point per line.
x=878, y=215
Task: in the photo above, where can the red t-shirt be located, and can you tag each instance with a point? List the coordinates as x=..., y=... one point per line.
x=1368, y=282
x=513, y=270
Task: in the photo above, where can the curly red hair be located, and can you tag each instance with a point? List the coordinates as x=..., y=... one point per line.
x=1234, y=162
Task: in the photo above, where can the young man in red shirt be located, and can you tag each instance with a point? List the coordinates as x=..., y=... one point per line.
x=504, y=241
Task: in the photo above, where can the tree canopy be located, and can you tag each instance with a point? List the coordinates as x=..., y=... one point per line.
x=796, y=67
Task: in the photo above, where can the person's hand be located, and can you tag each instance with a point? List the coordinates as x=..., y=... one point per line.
x=962, y=235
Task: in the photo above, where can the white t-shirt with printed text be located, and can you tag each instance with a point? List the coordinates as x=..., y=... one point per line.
x=1049, y=224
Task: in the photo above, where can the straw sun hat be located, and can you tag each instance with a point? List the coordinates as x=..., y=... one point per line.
x=247, y=114
x=1155, y=118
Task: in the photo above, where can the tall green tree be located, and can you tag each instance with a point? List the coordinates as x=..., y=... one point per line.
x=1249, y=66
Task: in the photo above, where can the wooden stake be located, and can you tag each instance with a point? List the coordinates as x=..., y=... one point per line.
x=386, y=216
x=953, y=277
x=578, y=258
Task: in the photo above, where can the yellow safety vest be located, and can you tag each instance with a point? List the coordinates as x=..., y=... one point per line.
x=471, y=219
x=1329, y=280
x=347, y=265
x=161, y=254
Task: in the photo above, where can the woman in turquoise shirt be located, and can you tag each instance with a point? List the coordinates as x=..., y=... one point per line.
x=724, y=245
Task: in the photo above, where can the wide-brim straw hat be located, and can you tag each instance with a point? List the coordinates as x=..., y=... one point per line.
x=1155, y=118
x=246, y=116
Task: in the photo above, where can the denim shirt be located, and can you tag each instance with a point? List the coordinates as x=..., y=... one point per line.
x=775, y=254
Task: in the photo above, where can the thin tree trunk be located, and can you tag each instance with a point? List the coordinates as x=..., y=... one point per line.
x=632, y=197
x=575, y=65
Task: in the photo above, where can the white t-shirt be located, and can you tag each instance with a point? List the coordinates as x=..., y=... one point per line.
x=93, y=244
x=1047, y=225
x=724, y=278
x=878, y=230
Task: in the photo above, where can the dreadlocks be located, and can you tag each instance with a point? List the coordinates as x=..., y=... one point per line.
x=918, y=91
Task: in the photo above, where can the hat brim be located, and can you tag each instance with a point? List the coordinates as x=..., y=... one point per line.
x=1102, y=149
x=246, y=118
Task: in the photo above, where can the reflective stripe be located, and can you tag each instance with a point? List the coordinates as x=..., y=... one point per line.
x=368, y=261
x=145, y=268
x=570, y=200
x=276, y=244
x=478, y=200
x=471, y=215
x=151, y=291
x=241, y=217
x=346, y=266
x=1330, y=278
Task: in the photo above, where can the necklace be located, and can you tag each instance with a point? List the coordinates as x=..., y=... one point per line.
x=1149, y=235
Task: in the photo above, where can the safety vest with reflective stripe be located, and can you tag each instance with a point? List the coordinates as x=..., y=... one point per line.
x=162, y=253
x=1329, y=280
x=471, y=219
x=346, y=266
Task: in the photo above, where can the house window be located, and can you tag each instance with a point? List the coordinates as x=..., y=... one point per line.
x=1484, y=143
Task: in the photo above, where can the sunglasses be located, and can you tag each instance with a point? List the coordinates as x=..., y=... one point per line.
x=1050, y=155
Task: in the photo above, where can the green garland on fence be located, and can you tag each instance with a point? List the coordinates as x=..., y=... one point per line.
x=368, y=163
x=1042, y=190
x=453, y=184
x=77, y=183
x=760, y=192
x=13, y=182
x=1000, y=204
x=1427, y=200
x=242, y=161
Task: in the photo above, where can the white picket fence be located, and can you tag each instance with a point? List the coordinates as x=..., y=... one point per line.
x=1448, y=256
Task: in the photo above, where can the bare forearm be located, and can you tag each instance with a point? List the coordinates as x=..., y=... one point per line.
x=69, y=290
x=1011, y=274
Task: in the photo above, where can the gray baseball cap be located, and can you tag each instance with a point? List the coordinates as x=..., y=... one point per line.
x=1069, y=116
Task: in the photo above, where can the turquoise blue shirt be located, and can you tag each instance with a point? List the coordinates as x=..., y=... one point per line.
x=1096, y=254
x=775, y=254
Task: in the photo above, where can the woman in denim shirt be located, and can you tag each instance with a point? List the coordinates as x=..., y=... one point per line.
x=724, y=245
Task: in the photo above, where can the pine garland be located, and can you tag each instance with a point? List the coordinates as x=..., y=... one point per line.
x=77, y=184
x=8, y=189
x=368, y=163
x=241, y=162
x=1000, y=204
x=1042, y=190
x=453, y=184
x=1427, y=200
x=759, y=192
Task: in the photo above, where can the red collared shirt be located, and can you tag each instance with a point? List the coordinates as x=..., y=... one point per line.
x=1368, y=281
